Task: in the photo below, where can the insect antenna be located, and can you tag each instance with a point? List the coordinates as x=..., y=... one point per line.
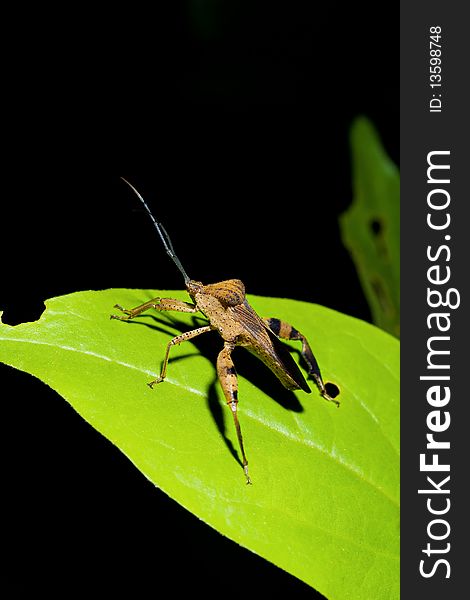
x=162, y=233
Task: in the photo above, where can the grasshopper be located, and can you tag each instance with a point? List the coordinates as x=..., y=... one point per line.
x=225, y=306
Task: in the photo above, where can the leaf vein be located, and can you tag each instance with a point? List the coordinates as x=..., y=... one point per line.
x=339, y=459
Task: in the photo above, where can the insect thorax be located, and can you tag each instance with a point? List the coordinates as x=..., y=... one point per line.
x=215, y=302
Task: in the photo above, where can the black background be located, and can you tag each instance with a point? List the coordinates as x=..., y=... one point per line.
x=233, y=123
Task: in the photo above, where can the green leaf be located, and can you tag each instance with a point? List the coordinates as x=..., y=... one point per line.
x=324, y=504
x=370, y=228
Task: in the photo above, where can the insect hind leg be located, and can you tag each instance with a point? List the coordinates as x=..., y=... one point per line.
x=286, y=331
x=229, y=383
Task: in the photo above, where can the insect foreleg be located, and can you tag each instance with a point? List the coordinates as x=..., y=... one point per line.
x=183, y=337
x=160, y=304
x=287, y=332
x=229, y=382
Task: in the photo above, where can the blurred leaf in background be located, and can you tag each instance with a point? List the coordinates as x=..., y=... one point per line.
x=370, y=228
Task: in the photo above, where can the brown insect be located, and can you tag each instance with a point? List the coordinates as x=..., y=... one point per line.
x=226, y=308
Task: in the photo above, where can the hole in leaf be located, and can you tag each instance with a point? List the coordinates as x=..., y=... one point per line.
x=332, y=389
x=376, y=226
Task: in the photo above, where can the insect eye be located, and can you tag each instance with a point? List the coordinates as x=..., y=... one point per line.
x=194, y=287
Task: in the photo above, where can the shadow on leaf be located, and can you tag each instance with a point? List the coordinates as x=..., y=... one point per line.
x=247, y=365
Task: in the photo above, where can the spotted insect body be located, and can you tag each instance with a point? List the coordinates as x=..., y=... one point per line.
x=227, y=310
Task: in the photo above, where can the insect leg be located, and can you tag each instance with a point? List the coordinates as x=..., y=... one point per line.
x=159, y=304
x=287, y=332
x=188, y=335
x=229, y=382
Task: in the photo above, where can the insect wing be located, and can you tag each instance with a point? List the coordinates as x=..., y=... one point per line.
x=270, y=349
x=289, y=364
